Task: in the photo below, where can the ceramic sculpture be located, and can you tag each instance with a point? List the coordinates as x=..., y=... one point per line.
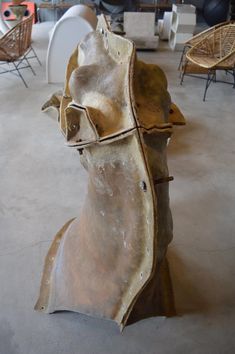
x=111, y=261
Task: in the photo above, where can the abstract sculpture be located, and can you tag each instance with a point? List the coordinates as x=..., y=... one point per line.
x=111, y=261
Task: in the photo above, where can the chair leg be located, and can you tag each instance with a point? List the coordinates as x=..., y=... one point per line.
x=210, y=78
x=183, y=73
x=30, y=66
x=234, y=78
x=18, y=71
x=214, y=77
x=36, y=55
x=182, y=58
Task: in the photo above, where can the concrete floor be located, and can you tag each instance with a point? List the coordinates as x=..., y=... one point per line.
x=38, y=178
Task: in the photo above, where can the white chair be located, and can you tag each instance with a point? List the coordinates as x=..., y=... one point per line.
x=72, y=27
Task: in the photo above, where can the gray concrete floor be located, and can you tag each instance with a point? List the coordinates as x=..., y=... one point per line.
x=38, y=178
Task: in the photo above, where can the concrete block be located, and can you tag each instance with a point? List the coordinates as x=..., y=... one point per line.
x=139, y=24
x=183, y=8
x=182, y=25
x=183, y=22
x=177, y=40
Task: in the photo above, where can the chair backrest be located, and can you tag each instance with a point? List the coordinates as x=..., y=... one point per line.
x=25, y=34
x=225, y=38
x=18, y=40
x=216, y=49
x=221, y=42
x=198, y=37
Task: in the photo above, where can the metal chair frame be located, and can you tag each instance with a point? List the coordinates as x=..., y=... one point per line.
x=34, y=56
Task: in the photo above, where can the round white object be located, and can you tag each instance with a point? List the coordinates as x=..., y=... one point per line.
x=68, y=32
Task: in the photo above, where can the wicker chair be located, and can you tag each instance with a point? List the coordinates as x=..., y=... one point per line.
x=15, y=47
x=216, y=51
x=196, y=39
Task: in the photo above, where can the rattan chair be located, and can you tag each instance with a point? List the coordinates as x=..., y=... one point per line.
x=216, y=51
x=15, y=49
x=196, y=39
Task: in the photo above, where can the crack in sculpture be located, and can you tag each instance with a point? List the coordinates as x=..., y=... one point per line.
x=111, y=262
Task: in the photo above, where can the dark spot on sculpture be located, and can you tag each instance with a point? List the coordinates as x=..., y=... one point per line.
x=171, y=111
x=143, y=186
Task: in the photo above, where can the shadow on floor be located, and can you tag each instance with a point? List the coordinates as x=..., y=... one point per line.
x=182, y=137
x=189, y=298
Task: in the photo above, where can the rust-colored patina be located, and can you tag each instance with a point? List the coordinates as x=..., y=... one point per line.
x=110, y=262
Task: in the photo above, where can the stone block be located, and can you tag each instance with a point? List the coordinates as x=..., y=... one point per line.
x=139, y=24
